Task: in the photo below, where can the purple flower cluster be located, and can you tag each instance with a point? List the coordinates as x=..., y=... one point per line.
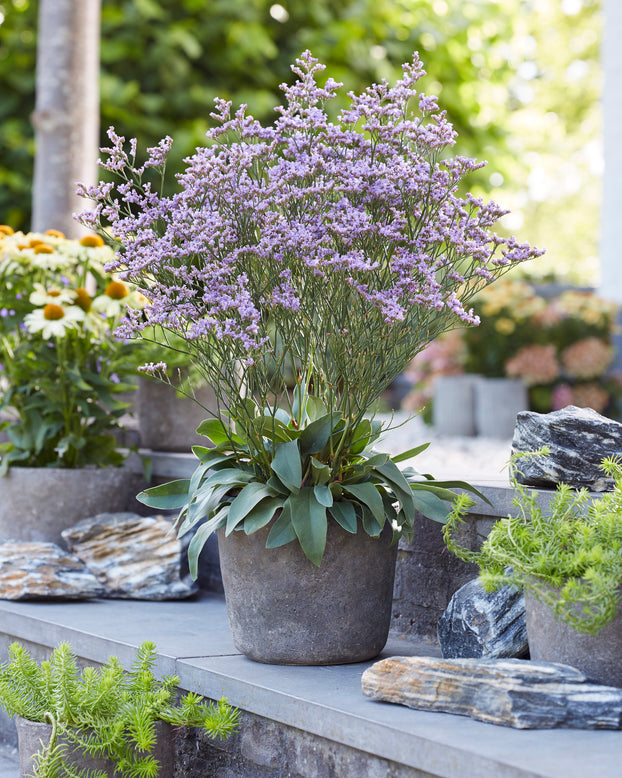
x=308, y=225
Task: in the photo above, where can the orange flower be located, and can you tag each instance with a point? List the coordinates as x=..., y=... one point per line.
x=6, y=230
x=55, y=233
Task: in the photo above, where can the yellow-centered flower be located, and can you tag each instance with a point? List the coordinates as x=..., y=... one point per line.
x=53, y=320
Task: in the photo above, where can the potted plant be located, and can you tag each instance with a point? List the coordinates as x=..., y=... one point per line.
x=62, y=384
x=100, y=721
x=568, y=561
x=331, y=252
x=170, y=407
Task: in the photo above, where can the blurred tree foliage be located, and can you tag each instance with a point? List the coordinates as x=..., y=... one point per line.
x=493, y=64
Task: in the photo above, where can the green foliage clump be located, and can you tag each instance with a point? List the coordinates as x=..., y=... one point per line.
x=569, y=558
x=105, y=712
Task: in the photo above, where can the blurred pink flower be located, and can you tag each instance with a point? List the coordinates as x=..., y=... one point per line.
x=535, y=364
x=587, y=358
x=561, y=397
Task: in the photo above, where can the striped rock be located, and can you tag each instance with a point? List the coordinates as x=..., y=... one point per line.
x=132, y=556
x=510, y=692
x=39, y=570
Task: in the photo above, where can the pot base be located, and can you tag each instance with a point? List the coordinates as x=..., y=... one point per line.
x=284, y=610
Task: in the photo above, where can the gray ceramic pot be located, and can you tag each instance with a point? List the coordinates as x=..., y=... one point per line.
x=37, y=503
x=598, y=656
x=168, y=422
x=284, y=610
x=31, y=734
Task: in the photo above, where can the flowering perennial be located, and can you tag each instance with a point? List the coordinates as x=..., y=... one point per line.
x=62, y=370
x=302, y=266
x=342, y=247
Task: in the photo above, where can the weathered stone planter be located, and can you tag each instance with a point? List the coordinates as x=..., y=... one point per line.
x=37, y=503
x=282, y=609
x=598, y=656
x=168, y=422
x=31, y=734
x=497, y=403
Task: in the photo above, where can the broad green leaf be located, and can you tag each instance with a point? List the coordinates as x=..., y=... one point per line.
x=246, y=500
x=315, y=436
x=168, y=496
x=400, y=487
x=430, y=505
x=262, y=514
x=282, y=531
x=320, y=471
x=197, y=477
x=230, y=475
x=286, y=464
x=461, y=485
x=310, y=523
x=274, y=429
x=368, y=495
x=323, y=495
x=315, y=408
x=412, y=452
x=206, y=501
x=200, y=538
x=344, y=514
x=279, y=413
x=215, y=430
x=371, y=525
x=361, y=437
x=212, y=456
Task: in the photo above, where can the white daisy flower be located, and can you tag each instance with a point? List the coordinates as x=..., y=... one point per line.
x=113, y=301
x=43, y=295
x=53, y=320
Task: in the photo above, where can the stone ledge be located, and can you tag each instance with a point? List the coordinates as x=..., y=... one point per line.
x=194, y=642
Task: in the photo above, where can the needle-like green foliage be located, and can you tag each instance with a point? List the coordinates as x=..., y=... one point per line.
x=104, y=711
x=569, y=558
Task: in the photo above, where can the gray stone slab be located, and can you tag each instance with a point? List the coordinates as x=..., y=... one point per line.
x=180, y=629
x=193, y=640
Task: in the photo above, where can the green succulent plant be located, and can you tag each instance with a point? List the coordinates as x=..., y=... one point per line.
x=569, y=557
x=105, y=711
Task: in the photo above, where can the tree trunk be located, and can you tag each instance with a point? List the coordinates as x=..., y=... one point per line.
x=66, y=117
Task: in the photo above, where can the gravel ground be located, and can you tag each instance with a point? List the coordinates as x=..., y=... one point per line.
x=470, y=458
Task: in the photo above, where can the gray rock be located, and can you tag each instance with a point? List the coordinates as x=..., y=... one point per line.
x=578, y=440
x=477, y=623
x=31, y=571
x=509, y=692
x=132, y=556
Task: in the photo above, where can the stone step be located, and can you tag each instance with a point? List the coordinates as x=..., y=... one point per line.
x=314, y=721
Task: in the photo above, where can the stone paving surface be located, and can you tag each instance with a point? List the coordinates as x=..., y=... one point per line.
x=9, y=767
x=468, y=458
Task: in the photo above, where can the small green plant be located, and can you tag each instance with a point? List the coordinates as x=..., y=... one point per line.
x=569, y=558
x=105, y=712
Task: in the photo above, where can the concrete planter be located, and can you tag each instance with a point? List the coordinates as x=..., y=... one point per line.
x=37, y=503
x=31, y=735
x=168, y=422
x=282, y=609
x=452, y=409
x=598, y=656
x=497, y=403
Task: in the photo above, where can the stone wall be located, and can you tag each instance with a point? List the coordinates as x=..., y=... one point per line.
x=266, y=749
x=427, y=575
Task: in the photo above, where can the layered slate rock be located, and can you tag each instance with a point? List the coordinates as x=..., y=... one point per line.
x=509, y=692
x=32, y=571
x=578, y=440
x=132, y=556
x=477, y=623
